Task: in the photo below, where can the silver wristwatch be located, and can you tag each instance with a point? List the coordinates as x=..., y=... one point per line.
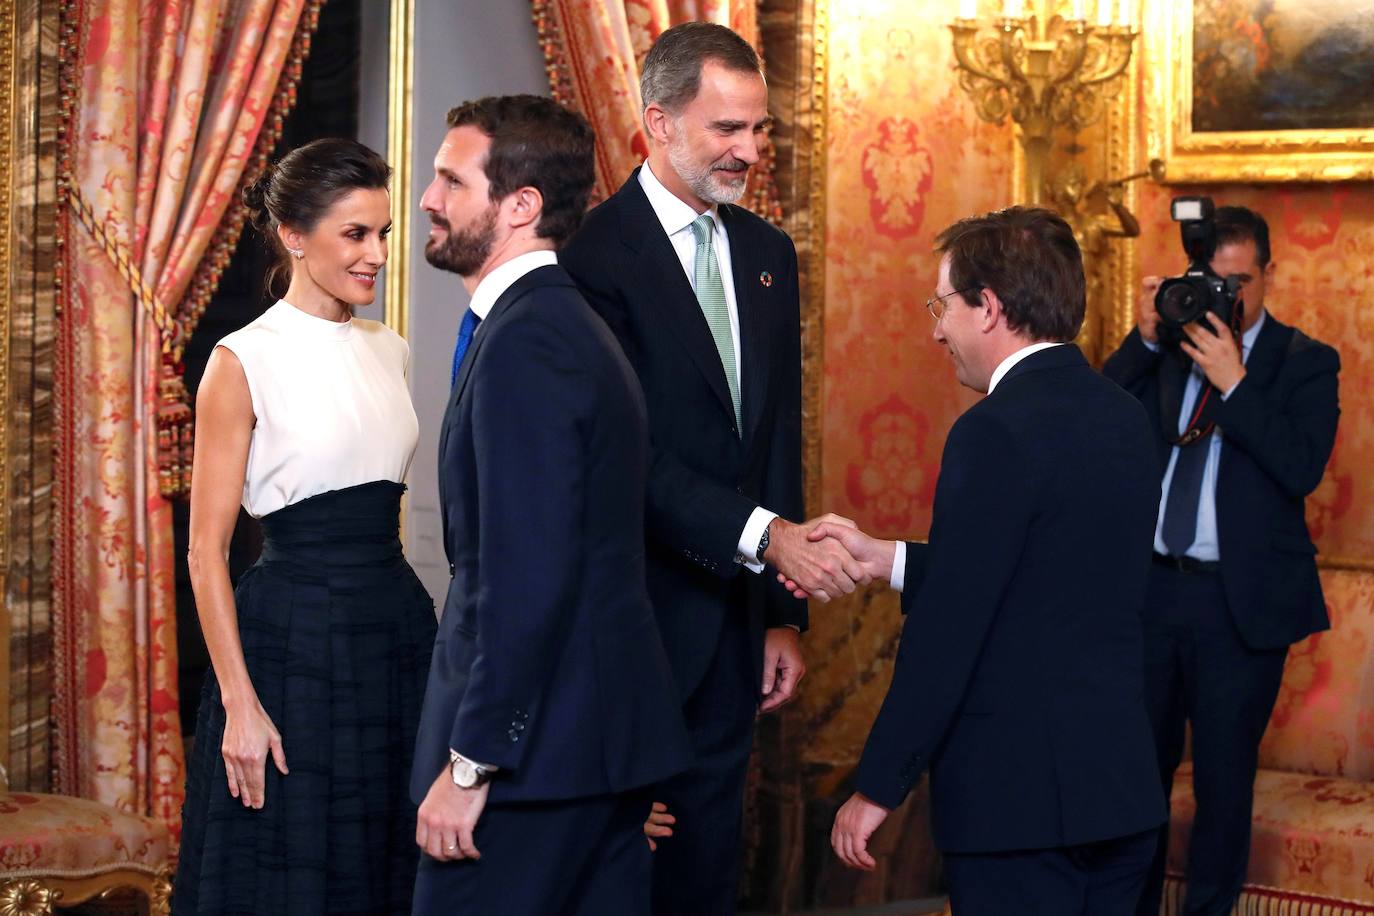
x=466, y=774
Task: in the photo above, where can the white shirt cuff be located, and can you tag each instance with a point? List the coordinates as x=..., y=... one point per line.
x=1151, y=345
x=899, y=566
x=747, y=554
x=1228, y=392
x=486, y=766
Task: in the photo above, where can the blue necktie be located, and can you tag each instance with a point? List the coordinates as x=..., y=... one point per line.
x=1185, y=490
x=465, y=332
x=1179, y=529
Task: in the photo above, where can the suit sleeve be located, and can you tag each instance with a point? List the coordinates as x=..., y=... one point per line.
x=530, y=399
x=1132, y=364
x=1289, y=429
x=983, y=508
x=917, y=560
x=782, y=485
x=688, y=512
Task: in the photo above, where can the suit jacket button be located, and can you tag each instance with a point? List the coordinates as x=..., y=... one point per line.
x=518, y=725
x=450, y=569
x=513, y=735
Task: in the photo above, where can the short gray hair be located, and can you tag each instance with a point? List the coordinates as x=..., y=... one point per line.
x=672, y=68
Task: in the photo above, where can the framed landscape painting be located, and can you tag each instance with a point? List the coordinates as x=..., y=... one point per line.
x=1261, y=90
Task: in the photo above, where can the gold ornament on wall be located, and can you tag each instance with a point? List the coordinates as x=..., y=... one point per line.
x=1047, y=69
x=1097, y=213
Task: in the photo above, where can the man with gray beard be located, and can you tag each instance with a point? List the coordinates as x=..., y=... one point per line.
x=703, y=297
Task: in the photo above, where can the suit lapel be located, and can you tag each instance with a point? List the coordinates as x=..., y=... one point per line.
x=662, y=271
x=1266, y=356
x=1173, y=378
x=753, y=331
x=541, y=276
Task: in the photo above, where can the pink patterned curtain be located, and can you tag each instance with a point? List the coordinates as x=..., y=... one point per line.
x=166, y=110
x=594, y=49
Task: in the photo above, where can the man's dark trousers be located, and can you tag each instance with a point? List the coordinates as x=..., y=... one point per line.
x=1100, y=879
x=696, y=871
x=1198, y=669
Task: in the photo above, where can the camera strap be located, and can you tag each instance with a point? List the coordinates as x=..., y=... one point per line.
x=1200, y=424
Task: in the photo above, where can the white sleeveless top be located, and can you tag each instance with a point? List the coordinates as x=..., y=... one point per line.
x=331, y=405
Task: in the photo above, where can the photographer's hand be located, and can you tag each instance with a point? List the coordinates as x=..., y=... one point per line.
x=1148, y=318
x=1217, y=354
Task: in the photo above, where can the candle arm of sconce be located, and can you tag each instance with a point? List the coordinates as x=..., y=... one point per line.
x=1112, y=71
x=1073, y=66
x=966, y=62
x=1010, y=62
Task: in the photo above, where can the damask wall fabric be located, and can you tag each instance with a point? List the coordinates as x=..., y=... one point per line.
x=168, y=100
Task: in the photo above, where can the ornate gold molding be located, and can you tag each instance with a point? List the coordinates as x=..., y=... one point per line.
x=813, y=306
x=1249, y=156
x=401, y=67
x=9, y=30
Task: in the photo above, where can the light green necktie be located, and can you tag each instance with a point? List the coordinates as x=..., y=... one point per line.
x=711, y=297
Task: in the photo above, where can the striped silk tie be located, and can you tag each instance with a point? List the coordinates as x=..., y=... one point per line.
x=711, y=297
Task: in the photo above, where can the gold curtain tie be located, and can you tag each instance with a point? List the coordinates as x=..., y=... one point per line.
x=175, y=422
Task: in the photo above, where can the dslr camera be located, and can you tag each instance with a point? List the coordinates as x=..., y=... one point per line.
x=1185, y=299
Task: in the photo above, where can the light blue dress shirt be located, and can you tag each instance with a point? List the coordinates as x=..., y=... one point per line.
x=1205, y=545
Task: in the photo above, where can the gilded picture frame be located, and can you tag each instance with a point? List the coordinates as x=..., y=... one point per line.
x=1252, y=155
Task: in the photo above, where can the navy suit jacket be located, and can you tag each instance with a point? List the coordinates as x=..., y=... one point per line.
x=1019, y=678
x=1278, y=428
x=548, y=662
x=705, y=478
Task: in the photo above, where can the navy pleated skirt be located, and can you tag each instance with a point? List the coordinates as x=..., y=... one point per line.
x=337, y=633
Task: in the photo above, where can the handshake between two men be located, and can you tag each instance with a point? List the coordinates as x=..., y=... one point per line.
x=829, y=556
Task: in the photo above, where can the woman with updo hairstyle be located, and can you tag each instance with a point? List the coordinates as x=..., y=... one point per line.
x=296, y=799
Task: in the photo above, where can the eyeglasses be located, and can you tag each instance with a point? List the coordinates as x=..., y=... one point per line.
x=936, y=305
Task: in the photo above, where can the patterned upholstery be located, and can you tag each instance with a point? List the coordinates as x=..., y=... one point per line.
x=1323, y=722
x=1312, y=846
x=59, y=849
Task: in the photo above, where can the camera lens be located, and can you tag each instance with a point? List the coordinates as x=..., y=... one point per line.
x=1179, y=302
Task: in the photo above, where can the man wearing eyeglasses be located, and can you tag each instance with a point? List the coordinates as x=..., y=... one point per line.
x=1018, y=679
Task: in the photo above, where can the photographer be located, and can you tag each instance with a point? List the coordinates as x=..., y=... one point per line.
x=1234, y=581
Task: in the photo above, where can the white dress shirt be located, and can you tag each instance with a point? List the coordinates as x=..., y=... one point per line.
x=1205, y=543
x=899, y=557
x=676, y=217
x=503, y=277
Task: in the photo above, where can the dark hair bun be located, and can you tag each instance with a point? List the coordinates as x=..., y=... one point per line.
x=255, y=199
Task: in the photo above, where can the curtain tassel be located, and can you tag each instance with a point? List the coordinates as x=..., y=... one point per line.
x=175, y=432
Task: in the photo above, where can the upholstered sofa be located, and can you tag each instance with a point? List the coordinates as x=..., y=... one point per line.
x=61, y=851
x=1312, y=846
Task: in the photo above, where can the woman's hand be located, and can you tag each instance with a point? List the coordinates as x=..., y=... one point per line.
x=248, y=737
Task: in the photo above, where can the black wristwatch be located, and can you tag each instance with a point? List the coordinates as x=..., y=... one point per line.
x=763, y=542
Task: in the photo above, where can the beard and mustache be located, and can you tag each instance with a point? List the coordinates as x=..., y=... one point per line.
x=717, y=182
x=465, y=251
